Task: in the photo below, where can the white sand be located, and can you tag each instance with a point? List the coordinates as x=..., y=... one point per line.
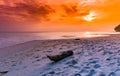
x=92, y=57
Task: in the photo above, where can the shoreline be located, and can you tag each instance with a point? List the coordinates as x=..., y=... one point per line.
x=25, y=45
x=9, y=39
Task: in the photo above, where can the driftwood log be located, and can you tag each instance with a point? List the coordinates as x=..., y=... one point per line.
x=61, y=56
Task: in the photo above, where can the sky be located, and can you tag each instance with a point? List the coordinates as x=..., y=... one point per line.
x=59, y=15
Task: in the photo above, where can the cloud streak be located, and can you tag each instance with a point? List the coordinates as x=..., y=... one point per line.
x=39, y=11
x=26, y=10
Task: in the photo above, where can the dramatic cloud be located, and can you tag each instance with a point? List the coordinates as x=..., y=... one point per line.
x=60, y=12
x=38, y=11
x=26, y=10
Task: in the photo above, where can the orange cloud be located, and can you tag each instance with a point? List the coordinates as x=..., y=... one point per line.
x=34, y=10
x=87, y=14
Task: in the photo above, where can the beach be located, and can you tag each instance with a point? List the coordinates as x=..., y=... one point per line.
x=97, y=56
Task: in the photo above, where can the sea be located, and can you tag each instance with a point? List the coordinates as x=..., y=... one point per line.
x=9, y=39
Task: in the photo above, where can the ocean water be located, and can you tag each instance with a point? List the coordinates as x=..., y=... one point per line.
x=9, y=39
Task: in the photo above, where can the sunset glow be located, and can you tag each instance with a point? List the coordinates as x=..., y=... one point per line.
x=60, y=15
x=91, y=16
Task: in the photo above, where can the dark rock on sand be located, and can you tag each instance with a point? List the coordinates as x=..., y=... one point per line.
x=3, y=72
x=60, y=56
x=77, y=39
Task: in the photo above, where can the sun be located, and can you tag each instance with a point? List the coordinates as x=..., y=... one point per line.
x=90, y=17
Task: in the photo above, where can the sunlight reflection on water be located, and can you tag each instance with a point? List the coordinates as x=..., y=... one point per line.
x=7, y=39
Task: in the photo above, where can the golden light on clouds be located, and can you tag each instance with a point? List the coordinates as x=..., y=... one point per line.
x=91, y=16
x=67, y=11
x=61, y=14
